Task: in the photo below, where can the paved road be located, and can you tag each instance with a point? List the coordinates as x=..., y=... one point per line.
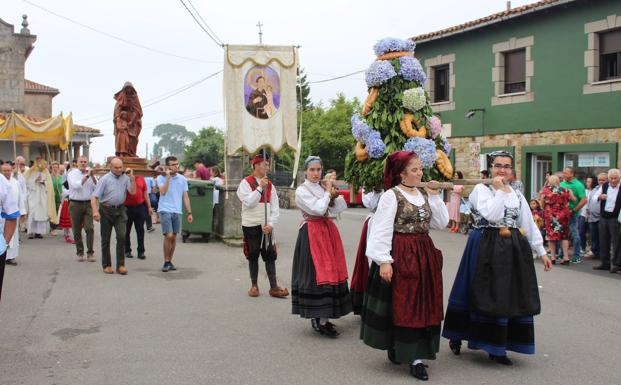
x=65, y=322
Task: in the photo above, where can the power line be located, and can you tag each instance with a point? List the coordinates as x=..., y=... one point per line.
x=204, y=22
x=201, y=25
x=167, y=95
x=117, y=37
x=337, y=77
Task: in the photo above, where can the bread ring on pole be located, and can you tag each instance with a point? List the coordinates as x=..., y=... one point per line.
x=408, y=130
x=394, y=55
x=361, y=152
x=444, y=164
x=368, y=103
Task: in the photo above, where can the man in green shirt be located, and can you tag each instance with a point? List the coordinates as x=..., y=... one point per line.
x=579, y=191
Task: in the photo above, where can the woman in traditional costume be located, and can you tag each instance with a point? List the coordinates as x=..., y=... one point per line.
x=360, y=276
x=495, y=294
x=319, y=273
x=402, y=308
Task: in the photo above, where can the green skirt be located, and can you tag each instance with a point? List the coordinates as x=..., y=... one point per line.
x=378, y=331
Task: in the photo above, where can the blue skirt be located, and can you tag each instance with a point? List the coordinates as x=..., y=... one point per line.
x=494, y=335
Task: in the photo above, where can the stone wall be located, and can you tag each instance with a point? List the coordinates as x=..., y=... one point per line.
x=14, y=49
x=39, y=105
x=570, y=137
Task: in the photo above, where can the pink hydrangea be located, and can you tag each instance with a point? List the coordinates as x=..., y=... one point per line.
x=435, y=125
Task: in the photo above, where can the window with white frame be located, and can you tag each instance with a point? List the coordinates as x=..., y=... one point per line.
x=440, y=84
x=602, y=58
x=513, y=71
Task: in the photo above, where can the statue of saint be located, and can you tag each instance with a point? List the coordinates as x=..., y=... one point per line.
x=127, y=120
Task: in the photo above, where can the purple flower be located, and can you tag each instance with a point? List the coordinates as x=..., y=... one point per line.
x=375, y=145
x=435, y=125
x=359, y=129
x=379, y=73
x=391, y=44
x=446, y=145
x=412, y=70
x=425, y=149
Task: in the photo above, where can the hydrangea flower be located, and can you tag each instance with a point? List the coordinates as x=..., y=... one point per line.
x=391, y=44
x=375, y=145
x=425, y=149
x=435, y=126
x=447, y=146
x=414, y=99
x=359, y=129
x=379, y=73
x=412, y=70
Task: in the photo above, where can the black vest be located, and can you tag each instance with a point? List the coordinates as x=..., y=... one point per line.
x=615, y=213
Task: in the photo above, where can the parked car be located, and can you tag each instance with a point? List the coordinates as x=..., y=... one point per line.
x=347, y=192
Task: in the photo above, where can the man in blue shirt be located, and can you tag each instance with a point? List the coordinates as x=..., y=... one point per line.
x=173, y=191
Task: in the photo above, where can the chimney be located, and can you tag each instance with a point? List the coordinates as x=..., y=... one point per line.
x=508, y=5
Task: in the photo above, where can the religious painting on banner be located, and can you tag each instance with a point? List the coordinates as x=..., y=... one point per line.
x=262, y=92
x=260, y=97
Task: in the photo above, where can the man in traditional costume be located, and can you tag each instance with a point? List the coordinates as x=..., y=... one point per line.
x=19, y=168
x=495, y=293
x=41, y=205
x=257, y=194
x=402, y=308
x=319, y=273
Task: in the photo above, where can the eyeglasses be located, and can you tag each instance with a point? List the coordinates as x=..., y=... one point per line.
x=500, y=166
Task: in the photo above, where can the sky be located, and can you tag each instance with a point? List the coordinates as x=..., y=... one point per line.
x=336, y=37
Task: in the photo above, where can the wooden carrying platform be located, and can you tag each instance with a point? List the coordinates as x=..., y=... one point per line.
x=138, y=165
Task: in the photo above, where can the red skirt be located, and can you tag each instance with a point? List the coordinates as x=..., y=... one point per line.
x=360, y=276
x=327, y=251
x=417, y=281
x=64, y=221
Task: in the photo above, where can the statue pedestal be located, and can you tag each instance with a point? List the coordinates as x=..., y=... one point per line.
x=139, y=165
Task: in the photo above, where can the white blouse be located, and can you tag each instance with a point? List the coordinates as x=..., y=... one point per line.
x=371, y=199
x=312, y=199
x=491, y=203
x=379, y=243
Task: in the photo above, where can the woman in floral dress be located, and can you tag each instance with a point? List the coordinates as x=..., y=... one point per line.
x=555, y=202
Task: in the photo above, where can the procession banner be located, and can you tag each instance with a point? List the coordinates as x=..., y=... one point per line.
x=260, y=97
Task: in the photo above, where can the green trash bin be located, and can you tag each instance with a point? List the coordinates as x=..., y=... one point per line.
x=201, y=200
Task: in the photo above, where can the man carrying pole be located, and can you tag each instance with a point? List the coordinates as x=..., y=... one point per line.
x=259, y=215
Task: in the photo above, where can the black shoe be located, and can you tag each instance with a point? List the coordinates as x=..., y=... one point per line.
x=328, y=330
x=315, y=324
x=392, y=357
x=504, y=360
x=455, y=346
x=141, y=256
x=601, y=267
x=11, y=262
x=614, y=269
x=129, y=255
x=419, y=371
x=38, y=236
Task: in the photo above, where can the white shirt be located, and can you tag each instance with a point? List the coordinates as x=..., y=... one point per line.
x=611, y=198
x=217, y=181
x=593, y=204
x=313, y=200
x=253, y=212
x=379, y=243
x=77, y=190
x=9, y=207
x=491, y=205
x=371, y=199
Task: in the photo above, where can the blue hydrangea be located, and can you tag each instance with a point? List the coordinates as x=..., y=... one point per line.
x=379, y=73
x=425, y=149
x=375, y=145
x=391, y=44
x=412, y=70
x=446, y=146
x=359, y=129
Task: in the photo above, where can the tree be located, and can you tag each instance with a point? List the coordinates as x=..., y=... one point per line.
x=207, y=146
x=303, y=91
x=327, y=133
x=173, y=138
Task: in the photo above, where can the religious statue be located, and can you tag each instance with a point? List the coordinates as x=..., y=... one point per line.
x=127, y=120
